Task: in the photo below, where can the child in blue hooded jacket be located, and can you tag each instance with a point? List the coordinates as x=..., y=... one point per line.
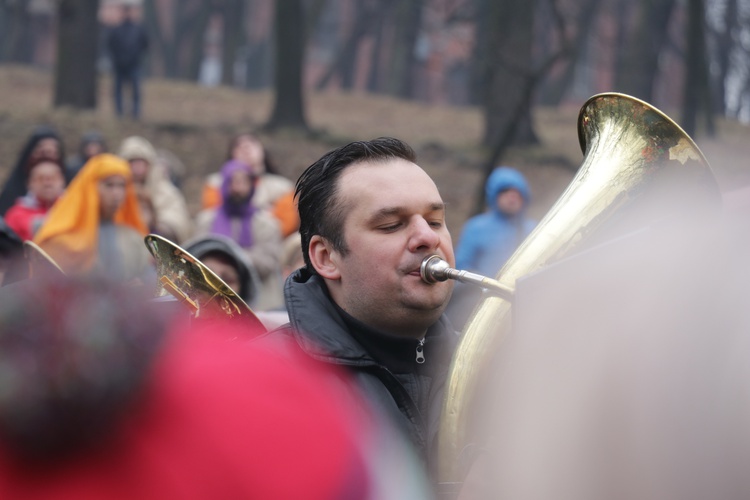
x=489, y=239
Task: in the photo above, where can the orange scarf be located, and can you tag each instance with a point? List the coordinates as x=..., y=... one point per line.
x=70, y=234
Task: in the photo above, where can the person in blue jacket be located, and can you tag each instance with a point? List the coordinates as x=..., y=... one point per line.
x=489, y=239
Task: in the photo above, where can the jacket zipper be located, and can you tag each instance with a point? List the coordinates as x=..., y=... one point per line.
x=420, y=352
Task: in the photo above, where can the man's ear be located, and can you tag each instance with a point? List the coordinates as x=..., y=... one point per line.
x=324, y=258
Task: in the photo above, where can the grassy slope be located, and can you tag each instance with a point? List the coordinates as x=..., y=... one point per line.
x=196, y=122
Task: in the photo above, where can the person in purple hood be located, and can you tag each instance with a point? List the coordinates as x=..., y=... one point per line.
x=255, y=230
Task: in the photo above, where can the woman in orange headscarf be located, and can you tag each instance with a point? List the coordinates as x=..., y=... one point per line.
x=95, y=227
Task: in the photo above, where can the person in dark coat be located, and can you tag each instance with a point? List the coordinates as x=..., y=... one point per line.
x=92, y=143
x=44, y=142
x=369, y=216
x=127, y=44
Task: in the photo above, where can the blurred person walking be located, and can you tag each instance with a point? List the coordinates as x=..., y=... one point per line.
x=127, y=44
x=95, y=228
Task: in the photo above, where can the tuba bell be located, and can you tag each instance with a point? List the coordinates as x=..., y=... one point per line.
x=635, y=159
x=196, y=287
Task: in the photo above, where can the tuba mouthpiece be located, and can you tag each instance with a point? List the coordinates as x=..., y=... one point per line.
x=433, y=269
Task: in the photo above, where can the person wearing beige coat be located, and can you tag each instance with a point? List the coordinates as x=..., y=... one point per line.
x=163, y=206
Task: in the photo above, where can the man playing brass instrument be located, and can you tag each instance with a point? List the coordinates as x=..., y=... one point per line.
x=369, y=216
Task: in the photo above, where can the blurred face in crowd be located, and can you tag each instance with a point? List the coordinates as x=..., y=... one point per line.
x=46, y=148
x=510, y=202
x=46, y=182
x=240, y=186
x=139, y=167
x=111, y=196
x=93, y=149
x=224, y=269
x=395, y=218
x=249, y=151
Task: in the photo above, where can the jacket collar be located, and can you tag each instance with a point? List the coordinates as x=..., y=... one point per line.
x=319, y=328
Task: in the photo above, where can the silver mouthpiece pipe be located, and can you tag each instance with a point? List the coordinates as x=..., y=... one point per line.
x=434, y=269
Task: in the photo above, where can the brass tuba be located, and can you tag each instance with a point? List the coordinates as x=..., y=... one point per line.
x=197, y=287
x=634, y=157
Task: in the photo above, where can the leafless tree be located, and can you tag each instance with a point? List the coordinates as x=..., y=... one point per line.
x=77, y=51
x=289, y=27
x=696, y=94
x=513, y=77
x=640, y=61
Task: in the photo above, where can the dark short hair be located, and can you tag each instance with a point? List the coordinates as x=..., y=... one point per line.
x=320, y=208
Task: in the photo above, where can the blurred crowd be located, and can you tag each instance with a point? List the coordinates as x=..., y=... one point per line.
x=107, y=393
x=89, y=211
x=624, y=375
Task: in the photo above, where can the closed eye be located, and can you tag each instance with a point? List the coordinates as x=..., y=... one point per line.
x=390, y=227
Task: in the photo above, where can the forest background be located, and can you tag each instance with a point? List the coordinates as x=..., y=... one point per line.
x=471, y=84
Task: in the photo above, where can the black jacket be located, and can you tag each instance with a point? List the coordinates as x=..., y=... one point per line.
x=127, y=44
x=411, y=396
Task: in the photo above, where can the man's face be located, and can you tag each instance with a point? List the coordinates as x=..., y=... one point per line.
x=510, y=202
x=395, y=218
x=46, y=182
x=111, y=196
x=139, y=167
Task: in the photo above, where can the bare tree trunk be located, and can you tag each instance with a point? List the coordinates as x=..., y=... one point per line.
x=344, y=64
x=373, y=76
x=623, y=11
x=479, y=63
x=195, y=39
x=289, y=27
x=234, y=37
x=640, y=63
x=259, y=53
x=189, y=19
x=557, y=89
x=164, y=52
x=514, y=81
x=408, y=17
x=77, y=50
x=15, y=43
x=696, y=95
x=508, y=69
x=724, y=46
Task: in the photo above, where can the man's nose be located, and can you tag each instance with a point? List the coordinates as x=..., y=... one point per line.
x=423, y=237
